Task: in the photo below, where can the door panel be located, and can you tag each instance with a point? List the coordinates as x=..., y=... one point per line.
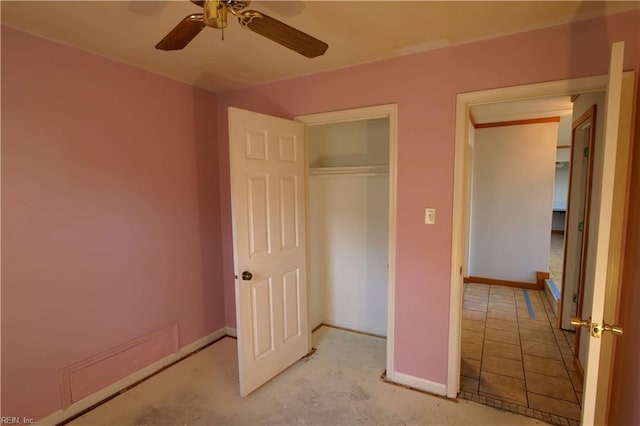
x=258, y=211
x=267, y=189
x=603, y=236
x=256, y=144
x=288, y=213
x=290, y=293
x=262, y=314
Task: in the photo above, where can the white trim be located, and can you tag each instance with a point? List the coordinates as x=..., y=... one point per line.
x=420, y=384
x=231, y=331
x=356, y=328
x=393, y=196
x=351, y=170
x=457, y=249
x=463, y=103
x=389, y=111
x=114, y=388
x=366, y=113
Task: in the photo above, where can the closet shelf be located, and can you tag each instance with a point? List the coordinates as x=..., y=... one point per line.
x=350, y=170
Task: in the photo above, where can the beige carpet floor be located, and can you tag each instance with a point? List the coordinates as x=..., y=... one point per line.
x=339, y=385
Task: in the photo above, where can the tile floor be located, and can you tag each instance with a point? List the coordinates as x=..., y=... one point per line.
x=512, y=354
x=555, y=259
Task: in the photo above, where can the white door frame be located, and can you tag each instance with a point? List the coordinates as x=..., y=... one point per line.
x=460, y=209
x=389, y=111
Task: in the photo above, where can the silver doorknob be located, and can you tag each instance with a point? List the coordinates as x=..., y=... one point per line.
x=246, y=275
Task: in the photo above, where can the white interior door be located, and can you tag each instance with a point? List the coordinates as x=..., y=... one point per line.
x=267, y=164
x=596, y=311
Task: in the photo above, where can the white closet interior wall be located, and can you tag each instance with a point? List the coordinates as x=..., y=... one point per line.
x=348, y=221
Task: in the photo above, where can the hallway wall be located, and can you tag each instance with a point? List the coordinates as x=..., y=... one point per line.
x=512, y=198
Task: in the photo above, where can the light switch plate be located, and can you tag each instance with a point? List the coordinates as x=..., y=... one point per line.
x=429, y=216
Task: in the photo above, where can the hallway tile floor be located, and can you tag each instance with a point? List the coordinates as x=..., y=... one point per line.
x=514, y=358
x=556, y=257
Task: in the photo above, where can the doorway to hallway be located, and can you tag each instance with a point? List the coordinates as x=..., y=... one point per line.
x=514, y=357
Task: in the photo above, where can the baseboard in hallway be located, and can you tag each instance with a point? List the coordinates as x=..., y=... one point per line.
x=503, y=283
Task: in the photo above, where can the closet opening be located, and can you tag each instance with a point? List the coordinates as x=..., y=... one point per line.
x=348, y=190
x=350, y=157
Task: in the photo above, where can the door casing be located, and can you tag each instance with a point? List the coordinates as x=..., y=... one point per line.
x=460, y=207
x=583, y=183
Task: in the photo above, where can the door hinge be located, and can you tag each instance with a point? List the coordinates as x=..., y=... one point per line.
x=581, y=226
x=461, y=270
x=585, y=152
x=575, y=297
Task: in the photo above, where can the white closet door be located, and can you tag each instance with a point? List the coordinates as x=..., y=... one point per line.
x=349, y=243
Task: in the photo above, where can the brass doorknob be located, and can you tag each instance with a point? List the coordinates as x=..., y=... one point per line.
x=579, y=322
x=596, y=330
x=614, y=329
x=246, y=275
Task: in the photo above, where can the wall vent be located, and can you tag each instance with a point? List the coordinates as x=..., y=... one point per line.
x=88, y=376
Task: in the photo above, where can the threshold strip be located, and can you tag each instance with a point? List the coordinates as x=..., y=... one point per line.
x=527, y=300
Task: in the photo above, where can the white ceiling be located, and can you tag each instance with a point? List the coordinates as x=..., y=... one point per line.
x=356, y=31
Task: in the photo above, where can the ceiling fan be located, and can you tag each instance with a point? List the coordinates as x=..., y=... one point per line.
x=215, y=16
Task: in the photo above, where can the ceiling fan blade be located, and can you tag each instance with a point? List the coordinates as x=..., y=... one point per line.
x=182, y=33
x=282, y=33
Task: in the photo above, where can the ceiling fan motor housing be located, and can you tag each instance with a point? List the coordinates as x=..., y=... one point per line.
x=215, y=14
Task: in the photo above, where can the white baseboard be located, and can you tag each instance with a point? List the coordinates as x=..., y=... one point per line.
x=381, y=332
x=77, y=407
x=230, y=331
x=418, y=383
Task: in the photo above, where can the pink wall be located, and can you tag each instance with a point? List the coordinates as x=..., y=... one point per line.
x=111, y=225
x=110, y=220
x=425, y=86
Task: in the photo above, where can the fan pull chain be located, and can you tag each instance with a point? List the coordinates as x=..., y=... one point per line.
x=222, y=33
